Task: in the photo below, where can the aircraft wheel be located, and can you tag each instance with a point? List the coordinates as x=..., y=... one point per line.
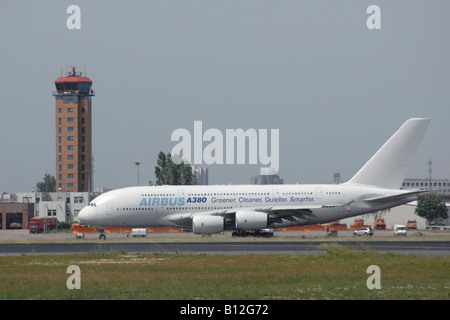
x=102, y=237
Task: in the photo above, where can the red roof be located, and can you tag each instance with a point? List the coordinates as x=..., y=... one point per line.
x=73, y=79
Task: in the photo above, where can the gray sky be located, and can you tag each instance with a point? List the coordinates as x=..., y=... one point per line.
x=312, y=69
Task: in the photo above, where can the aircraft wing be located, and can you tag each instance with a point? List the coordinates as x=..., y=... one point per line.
x=285, y=212
x=275, y=213
x=182, y=220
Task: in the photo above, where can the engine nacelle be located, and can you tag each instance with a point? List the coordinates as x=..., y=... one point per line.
x=251, y=220
x=208, y=224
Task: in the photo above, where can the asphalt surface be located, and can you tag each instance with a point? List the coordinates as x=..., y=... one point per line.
x=438, y=248
x=21, y=242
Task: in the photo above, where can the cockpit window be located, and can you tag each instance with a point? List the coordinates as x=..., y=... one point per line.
x=92, y=204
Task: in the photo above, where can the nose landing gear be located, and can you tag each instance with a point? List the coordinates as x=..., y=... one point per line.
x=102, y=234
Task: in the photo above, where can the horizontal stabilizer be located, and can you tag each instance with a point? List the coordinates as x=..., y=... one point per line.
x=397, y=197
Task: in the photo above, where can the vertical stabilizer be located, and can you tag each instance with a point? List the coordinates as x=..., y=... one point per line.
x=389, y=166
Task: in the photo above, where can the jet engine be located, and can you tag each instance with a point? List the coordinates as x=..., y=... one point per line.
x=208, y=224
x=251, y=220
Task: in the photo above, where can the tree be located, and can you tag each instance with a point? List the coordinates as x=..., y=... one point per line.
x=48, y=184
x=431, y=207
x=167, y=172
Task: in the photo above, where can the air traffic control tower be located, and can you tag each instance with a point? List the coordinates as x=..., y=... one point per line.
x=74, y=169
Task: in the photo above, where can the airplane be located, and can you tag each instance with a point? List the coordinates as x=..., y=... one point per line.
x=247, y=209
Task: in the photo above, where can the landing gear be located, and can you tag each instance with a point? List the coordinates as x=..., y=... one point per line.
x=102, y=234
x=257, y=233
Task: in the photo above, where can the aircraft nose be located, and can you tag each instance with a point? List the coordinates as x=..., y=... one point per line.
x=87, y=214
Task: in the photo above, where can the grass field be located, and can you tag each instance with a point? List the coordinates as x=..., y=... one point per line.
x=338, y=274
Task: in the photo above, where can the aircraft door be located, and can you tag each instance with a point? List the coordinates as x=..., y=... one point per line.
x=110, y=210
x=319, y=193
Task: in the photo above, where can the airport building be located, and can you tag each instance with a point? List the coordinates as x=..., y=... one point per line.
x=17, y=209
x=65, y=206
x=74, y=169
x=15, y=215
x=201, y=174
x=441, y=187
x=266, y=176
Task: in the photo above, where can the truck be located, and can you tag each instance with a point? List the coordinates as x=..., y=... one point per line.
x=412, y=224
x=38, y=225
x=399, y=230
x=359, y=223
x=380, y=224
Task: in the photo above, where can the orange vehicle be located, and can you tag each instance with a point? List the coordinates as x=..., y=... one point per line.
x=82, y=228
x=359, y=223
x=336, y=225
x=380, y=224
x=412, y=224
x=310, y=227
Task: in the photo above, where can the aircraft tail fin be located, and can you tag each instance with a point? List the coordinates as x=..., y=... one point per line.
x=389, y=166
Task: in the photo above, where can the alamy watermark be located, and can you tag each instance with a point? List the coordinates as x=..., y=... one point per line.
x=74, y=280
x=236, y=146
x=374, y=281
x=73, y=22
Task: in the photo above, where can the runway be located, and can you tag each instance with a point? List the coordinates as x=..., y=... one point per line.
x=434, y=248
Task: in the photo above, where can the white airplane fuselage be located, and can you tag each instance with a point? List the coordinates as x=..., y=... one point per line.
x=162, y=206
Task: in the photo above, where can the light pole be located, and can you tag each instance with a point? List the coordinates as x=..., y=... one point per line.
x=430, y=170
x=138, y=163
